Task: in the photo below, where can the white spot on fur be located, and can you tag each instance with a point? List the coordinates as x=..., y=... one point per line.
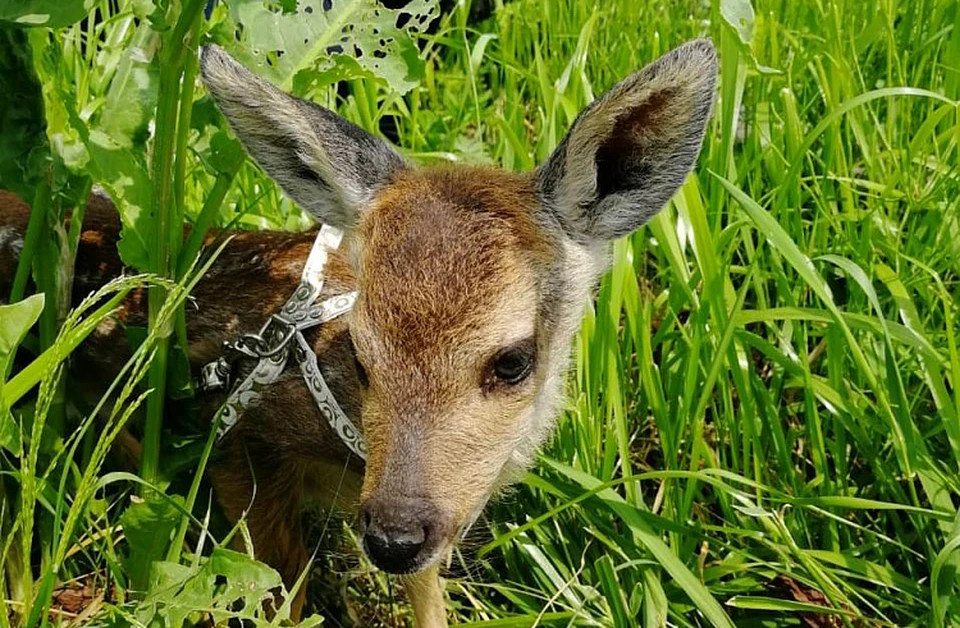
x=11, y=239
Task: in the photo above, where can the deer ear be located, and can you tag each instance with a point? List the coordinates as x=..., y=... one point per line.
x=628, y=152
x=329, y=166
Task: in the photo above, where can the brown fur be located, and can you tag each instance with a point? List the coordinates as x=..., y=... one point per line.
x=449, y=265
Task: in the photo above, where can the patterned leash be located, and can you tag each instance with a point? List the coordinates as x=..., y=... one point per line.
x=281, y=336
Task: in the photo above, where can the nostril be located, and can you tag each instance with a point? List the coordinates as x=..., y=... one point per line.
x=399, y=534
x=394, y=556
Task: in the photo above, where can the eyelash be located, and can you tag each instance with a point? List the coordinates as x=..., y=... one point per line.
x=512, y=366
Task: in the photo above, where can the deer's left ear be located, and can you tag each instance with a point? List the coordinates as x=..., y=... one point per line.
x=629, y=151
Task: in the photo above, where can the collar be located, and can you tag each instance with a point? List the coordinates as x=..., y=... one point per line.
x=279, y=338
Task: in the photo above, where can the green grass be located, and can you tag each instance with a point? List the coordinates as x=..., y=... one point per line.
x=763, y=424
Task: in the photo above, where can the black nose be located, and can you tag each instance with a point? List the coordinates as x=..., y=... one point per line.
x=397, y=531
x=392, y=555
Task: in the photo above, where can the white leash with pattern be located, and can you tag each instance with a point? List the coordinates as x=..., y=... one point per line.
x=281, y=336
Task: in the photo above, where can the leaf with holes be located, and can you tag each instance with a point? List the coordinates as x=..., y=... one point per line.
x=50, y=13
x=278, y=40
x=227, y=586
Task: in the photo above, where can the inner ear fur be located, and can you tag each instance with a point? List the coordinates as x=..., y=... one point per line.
x=628, y=152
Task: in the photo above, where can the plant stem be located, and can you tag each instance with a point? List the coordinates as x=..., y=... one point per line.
x=179, y=186
x=176, y=546
x=209, y=212
x=52, y=279
x=30, y=244
x=167, y=214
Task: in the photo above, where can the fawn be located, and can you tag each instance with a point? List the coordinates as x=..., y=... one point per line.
x=472, y=283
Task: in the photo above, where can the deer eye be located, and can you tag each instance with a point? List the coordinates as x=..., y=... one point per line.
x=512, y=365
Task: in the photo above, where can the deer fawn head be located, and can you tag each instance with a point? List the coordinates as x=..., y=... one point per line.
x=472, y=281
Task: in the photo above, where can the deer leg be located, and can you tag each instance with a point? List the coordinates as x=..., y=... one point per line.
x=278, y=541
x=425, y=590
x=268, y=492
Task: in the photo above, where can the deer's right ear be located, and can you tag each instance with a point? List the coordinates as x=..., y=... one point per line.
x=329, y=166
x=629, y=151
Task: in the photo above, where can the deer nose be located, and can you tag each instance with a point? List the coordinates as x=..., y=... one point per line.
x=397, y=531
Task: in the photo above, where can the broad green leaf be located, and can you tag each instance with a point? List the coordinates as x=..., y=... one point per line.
x=131, y=99
x=147, y=527
x=313, y=34
x=246, y=578
x=122, y=174
x=224, y=152
x=228, y=585
x=15, y=321
x=49, y=13
x=739, y=14
x=21, y=115
x=118, y=168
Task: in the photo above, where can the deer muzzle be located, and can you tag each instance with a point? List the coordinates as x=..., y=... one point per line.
x=403, y=535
